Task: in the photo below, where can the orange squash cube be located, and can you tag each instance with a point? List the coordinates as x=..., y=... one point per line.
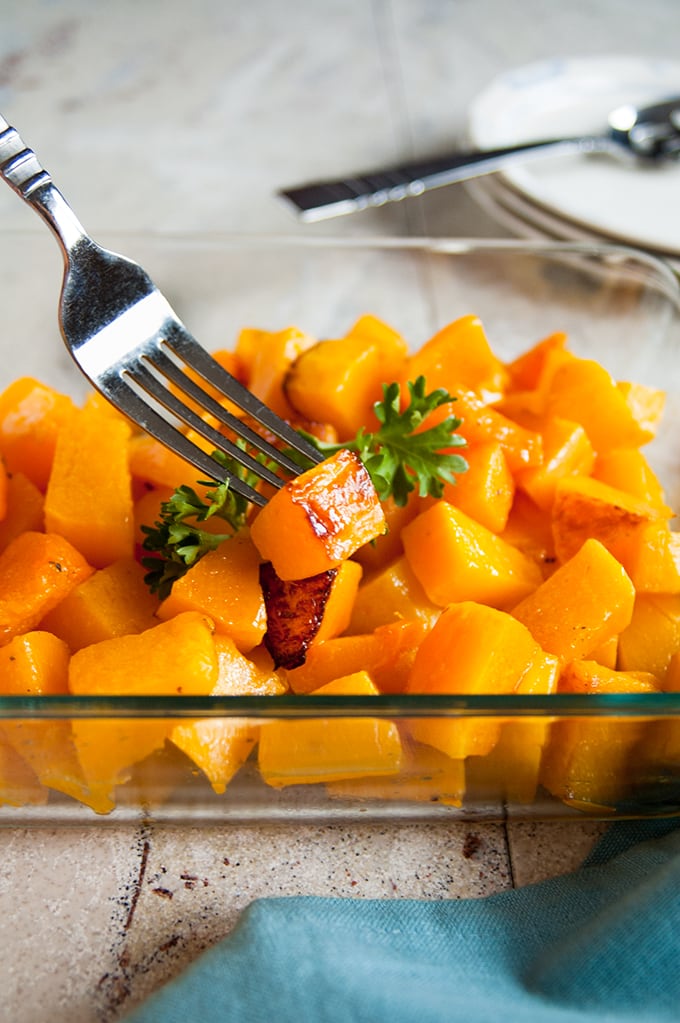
x=651, y=558
x=24, y=512
x=604, y=410
x=37, y=571
x=31, y=415
x=581, y=605
x=455, y=559
x=387, y=655
x=525, y=373
x=340, y=380
x=472, y=649
x=33, y=664
x=392, y=595
x=320, y=518
x=36, y=664
x=628, y=470
x=585, y=508
x=652, y=636
x=530, y=530
x=174, y=657
x=594, y=763
x=113, y=601
x=154, y=464
x=567, y=451
x=646, y=405
x=329, y=749
x=225, y=586
x=483, y=424
x=270, y=357
x=485, y=491
x=220, y=747
x=89, y=494
x=385, y=549
x=460, y=352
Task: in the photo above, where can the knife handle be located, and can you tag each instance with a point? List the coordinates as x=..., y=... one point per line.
x=320, y=200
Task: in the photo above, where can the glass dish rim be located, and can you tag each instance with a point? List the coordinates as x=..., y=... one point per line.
x=444, y=244
x=300, y=706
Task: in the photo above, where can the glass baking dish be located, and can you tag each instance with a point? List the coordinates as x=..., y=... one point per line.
x=560, y=756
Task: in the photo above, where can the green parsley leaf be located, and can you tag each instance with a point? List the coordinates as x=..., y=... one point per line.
x=177, y=541
x=401, y=456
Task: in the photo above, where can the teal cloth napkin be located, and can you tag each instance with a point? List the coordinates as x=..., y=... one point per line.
x=600, y=944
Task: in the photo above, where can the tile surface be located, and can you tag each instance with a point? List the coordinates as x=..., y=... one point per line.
x=165, y=116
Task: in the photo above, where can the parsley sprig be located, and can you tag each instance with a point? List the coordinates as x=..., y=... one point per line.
x=177, y=541
x=400, y=456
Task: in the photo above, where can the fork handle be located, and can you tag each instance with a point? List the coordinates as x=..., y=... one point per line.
x=23, y=172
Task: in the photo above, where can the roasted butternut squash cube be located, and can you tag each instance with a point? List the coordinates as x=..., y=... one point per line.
x=604, y=410
x=483, y=424
x=270, y=357
x=37, y=571
x=220, y=746
x=153, y=464
x=455, y=559
x=391, y=595
x=89, y=494
x=31, y=415
x=147, y=663
x=652, y=558
x=567, y=451
x=586, y=508
x=646, y=405
x=595, y=762
x=113, y=601
x=627, y=469
x=485, y=491
x=339, y=381
x=460, y=352
x=36, y=664
x=387, y=655
x=224, y=585
x=581, y=605
x=320, y=518
x=385, y=549
x=24, y=511
x=530, y=530
x=652, y=636
x=472, y=649
x=526, y=372
x=330, y=749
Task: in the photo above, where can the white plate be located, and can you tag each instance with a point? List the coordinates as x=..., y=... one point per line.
x=628, y=203
x=526, y=219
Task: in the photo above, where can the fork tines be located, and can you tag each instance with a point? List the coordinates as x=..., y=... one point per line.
x=162, y=373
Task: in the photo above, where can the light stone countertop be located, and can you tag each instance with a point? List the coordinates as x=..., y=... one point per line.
x=159, y=116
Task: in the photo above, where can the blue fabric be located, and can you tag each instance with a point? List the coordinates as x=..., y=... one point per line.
x=597, y=945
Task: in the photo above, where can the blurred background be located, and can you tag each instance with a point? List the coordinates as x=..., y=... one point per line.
x=158, y=115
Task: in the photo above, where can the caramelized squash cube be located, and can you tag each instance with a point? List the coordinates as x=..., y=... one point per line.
x=320, y=518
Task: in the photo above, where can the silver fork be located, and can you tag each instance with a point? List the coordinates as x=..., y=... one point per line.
x=129, y=343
